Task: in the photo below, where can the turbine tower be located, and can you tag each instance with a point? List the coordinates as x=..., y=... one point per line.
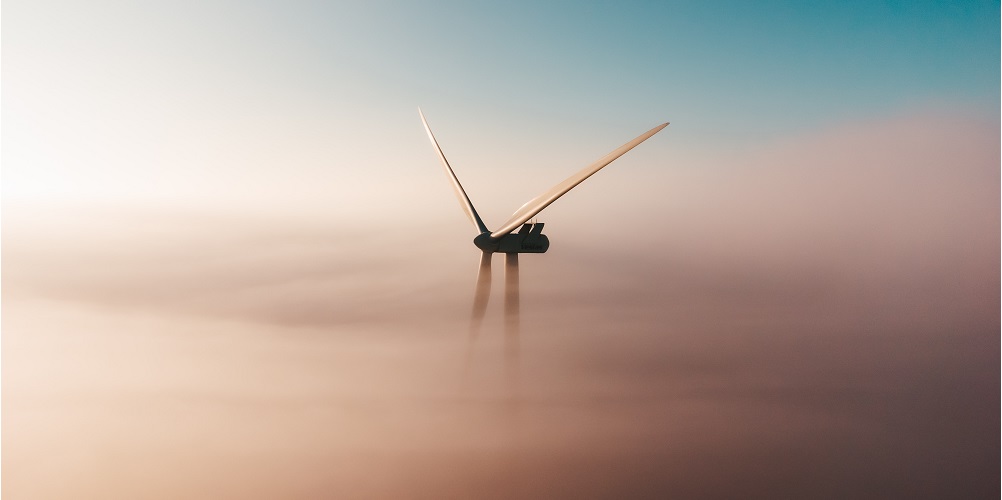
x=528, y=239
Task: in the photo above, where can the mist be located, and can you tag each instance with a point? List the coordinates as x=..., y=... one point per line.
x=813, y=317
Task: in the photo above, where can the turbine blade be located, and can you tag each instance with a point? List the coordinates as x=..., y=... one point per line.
x=535, y=205
x=480, y=297
x=464, y=200
x=482, y=293
x=511, y=309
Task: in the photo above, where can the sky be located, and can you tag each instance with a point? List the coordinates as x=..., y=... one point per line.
x=233, y=267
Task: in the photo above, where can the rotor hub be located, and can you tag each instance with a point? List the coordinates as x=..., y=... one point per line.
x=484, y=242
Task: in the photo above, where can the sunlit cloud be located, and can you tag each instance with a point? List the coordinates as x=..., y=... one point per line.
x=821, y=310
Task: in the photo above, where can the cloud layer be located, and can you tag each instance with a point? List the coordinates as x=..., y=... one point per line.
x=816, y=318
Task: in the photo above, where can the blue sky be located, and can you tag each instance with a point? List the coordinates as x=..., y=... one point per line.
x=715, y=66
x=340, y=80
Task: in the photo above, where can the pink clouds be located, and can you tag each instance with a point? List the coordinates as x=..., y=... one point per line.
x=817, y=317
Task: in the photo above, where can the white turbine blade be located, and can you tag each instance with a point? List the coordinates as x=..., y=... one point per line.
x=535, y=205
x=480, y=298
x=511, y=310
x=482, y=293
x=460, y=192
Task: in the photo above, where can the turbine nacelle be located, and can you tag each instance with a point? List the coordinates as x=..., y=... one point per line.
x=528, y=239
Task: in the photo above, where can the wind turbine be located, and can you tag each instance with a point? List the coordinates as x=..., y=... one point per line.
x=528, y=239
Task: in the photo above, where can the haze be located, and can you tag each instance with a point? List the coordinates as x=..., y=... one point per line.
x=233, y=267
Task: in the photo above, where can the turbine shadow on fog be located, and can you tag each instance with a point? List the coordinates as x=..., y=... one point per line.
x=528, y=239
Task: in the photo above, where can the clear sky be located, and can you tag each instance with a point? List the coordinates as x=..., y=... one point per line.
x=322, y=87
x=233, y=267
